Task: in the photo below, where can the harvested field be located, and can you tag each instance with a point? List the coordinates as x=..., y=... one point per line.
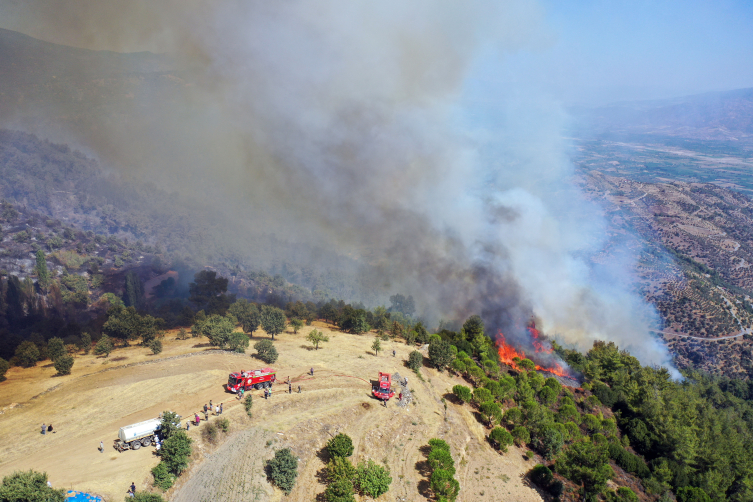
x=91, y=404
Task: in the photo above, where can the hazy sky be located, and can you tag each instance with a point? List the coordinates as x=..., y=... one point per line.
x=589, y=51
x=599, y=51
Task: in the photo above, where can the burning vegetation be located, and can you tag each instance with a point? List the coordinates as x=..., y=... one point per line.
x=543, y=358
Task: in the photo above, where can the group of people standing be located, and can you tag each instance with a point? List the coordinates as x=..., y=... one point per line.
x=216, y=409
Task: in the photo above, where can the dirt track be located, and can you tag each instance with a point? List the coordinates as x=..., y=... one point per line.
x=90, y=405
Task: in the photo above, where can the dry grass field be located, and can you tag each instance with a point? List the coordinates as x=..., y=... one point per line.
x=101, y=395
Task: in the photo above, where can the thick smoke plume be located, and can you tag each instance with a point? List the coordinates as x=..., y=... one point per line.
x=369, y=128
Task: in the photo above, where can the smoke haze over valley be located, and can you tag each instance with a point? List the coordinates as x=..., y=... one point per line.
x=357, y=129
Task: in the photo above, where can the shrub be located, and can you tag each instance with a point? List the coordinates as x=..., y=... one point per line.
x=146, y=497
x=573, y=431
x=266, y=351
x=444, y=485
x=238, y=342
x=541, y=475
x=340, y=446
x=441, y=353
x=624, y=494
x=458, y=366
x=462, y=392
x=316, y=337
x=549, y=442
x=248, y=402
x=554, y=384
x=85, y=342
x=501, y=438
x=547, y=395
x=223, y=424
x=692, y=494
x=415, y=360
x=481, y=395
x=604, y=394
x=340, y=468
x=182, y=334
x=587, y=464
x=156, y=346
x=521, y=435
x=439, y=458
x=209, y=432
x=527, y=364
x=490, y=412
x=29, y=485
x=513, y=416
x=104, y=346
x=4, y=367
x=439, y=444
x=169, y=425
x=55, y=348
x=591, y=402
x=567, y=413
x=63, y=364
x=175, y=452
x=628, y=461
x=373, y=479
x=591, y=423
x=283, y=469
x=163, y=478
x=340, y=491
x=27, y=354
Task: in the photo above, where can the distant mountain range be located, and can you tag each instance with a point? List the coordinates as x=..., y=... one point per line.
x=28, y=61
x=711, y=116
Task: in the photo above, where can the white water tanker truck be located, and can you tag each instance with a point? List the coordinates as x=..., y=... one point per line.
x=133, y=437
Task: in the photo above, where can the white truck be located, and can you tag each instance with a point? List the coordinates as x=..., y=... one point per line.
x=133, y=437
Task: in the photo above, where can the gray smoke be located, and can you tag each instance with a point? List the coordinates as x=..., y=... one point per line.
x=362, y=127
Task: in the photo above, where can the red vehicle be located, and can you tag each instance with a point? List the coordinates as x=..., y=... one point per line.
x=254, y=379
x=383, y=389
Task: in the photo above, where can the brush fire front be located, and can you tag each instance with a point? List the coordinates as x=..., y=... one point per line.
x=512, y=356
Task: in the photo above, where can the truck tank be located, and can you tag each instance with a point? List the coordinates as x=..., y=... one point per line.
x=131, y=432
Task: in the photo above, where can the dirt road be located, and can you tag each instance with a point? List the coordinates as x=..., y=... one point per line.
x=91, y=404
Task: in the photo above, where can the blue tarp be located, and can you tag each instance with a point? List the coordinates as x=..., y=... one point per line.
x=74, y=496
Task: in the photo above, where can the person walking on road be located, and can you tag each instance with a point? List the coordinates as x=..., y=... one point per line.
x=217, y=410
x=220, y=408
x=299, y=389
x=205, y=409
x=393, y=352
x=197, y=419
x=312, y=371
x=210, y=405
x=290, y=388
x=44, y=429
x=101, y=447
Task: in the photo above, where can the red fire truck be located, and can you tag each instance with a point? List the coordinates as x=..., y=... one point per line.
x=253, y=379
x=383, y=389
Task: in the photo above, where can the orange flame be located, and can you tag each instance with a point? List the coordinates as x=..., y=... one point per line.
x=537, y=345
x=507, y=352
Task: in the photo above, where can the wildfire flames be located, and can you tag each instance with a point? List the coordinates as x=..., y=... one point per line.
x=507, y=353
x=536, y=341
